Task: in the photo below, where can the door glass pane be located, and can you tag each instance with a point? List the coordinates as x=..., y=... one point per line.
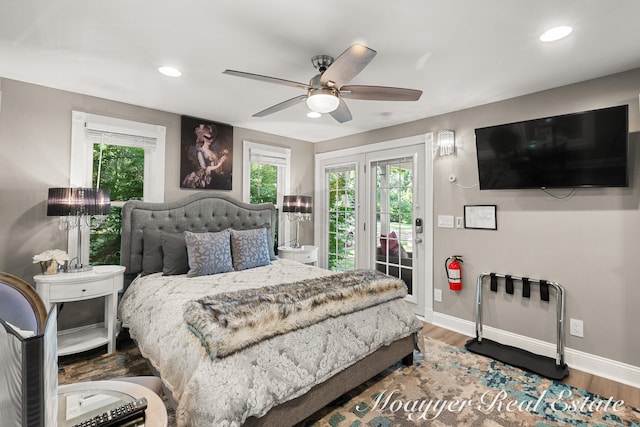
x=342, y=218
x=121, y=170
x=394, y=218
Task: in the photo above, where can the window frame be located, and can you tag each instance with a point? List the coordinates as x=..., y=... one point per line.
x=81, y=167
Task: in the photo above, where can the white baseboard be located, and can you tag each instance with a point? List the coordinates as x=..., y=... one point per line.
x=575, y=359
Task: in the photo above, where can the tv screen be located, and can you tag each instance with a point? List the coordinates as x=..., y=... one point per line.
x=586, y=149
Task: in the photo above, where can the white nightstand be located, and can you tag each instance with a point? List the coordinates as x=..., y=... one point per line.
x=305, y=254
x=102, y=281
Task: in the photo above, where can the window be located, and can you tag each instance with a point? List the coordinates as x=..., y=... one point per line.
x=341, y=195
x=127, y=158
x=266, y=177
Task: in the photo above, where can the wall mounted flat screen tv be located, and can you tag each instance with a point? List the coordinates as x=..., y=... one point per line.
x=586, y=149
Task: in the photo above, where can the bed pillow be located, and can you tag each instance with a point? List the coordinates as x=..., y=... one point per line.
x=208, y=253
x=249, y=248
x=151, y=252
x=174, y=252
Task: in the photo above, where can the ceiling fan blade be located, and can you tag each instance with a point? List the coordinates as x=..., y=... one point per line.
x=342, y=113
x=278, y=107
x=380, y=93
x=267, y=79
x=347, y=65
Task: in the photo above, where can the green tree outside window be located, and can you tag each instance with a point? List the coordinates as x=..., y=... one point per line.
x=121, y=170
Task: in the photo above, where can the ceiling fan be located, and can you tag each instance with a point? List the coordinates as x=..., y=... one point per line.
x=326, y=90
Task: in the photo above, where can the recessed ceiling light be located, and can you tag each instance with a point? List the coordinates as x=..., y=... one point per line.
x=556, y=33
x=170, y=71
x=313, y=115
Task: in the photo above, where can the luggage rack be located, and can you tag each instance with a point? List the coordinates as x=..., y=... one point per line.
x=542, y=365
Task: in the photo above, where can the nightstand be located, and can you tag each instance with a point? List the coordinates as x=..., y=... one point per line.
x=305, y=254
x=104, y=281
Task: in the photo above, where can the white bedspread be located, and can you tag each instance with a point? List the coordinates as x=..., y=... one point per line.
x=225, y=392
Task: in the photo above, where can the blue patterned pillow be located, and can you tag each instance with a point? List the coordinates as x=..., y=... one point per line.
x=209, y=253
x=250, y=248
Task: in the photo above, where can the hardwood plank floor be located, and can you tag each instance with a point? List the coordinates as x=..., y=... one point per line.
x=595, y=384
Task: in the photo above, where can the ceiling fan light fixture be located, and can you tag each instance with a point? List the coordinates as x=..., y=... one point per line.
x=314, y=115
x=323, y=101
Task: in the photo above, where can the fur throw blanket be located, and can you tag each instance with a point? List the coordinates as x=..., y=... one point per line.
x=228, y=322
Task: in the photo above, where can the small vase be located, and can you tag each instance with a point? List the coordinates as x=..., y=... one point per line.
x=49, y=267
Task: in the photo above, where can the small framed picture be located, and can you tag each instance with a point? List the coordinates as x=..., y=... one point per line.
x=481, y=217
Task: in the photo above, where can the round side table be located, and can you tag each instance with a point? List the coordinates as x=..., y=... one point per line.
x=116, y=393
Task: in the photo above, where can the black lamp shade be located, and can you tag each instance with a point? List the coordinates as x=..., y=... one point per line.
x=297, y=204
x=78, y=201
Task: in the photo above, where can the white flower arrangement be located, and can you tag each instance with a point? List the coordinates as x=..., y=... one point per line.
x=58, y=255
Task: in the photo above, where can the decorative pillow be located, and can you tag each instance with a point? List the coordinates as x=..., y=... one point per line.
x=395, y=248
x=174, y=250
x=209, y=253
x=151, y=252
x=249, y=248
x=393, y=242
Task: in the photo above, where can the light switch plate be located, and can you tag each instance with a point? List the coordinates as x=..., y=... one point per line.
x=445, y=221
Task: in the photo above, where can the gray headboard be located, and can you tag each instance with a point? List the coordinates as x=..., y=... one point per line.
x=198, y=212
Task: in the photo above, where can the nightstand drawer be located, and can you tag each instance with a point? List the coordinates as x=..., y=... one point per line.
x=306, y=257
x=304, y=254
x=79, y=291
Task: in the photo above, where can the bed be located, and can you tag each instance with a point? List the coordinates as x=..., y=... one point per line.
x=277, y=378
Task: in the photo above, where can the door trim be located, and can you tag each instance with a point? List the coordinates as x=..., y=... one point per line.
x=331, y=158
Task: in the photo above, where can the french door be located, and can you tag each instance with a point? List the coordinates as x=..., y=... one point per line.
x=372, y=215
x=395, y=212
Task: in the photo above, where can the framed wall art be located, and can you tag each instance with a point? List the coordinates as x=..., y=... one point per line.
x=480, y=217
x=206, y=154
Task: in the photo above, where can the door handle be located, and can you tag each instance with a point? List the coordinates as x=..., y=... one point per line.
x=418, y=240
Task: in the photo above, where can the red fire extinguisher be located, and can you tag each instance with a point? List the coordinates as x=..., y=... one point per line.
x=454, y=272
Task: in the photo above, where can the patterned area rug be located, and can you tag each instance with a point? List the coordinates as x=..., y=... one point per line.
x=449, y=386
x=446, y=386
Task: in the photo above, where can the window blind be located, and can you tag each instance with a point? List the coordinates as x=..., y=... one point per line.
x=95, y=136
x=267, y=157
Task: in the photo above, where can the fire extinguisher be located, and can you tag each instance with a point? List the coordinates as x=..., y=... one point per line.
x=454, y=272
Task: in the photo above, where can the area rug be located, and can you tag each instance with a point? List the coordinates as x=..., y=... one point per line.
x=446, y=386
x=449, y=386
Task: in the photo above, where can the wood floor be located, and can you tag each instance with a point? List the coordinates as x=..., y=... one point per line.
x=594, y=384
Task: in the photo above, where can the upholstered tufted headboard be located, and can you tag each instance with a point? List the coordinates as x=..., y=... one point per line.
x=198, y=212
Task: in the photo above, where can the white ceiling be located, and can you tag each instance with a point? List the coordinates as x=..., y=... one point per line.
x=460, y=53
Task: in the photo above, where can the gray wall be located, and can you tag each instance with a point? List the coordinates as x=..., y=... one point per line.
x=589, y=242
x=35, y=135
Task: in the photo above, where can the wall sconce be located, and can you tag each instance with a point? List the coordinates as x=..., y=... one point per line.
x=76, y=207
x=446, y=142
x=297, y=208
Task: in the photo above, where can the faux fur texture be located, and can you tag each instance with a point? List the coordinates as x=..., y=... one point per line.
x=228, y=322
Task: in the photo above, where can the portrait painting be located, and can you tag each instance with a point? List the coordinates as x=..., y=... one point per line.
x=206, y=155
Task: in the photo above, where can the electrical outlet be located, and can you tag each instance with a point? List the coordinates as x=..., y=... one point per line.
x=437, y=295
x=576, y=328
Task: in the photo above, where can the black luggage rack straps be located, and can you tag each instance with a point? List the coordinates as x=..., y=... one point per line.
x=544, y=294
